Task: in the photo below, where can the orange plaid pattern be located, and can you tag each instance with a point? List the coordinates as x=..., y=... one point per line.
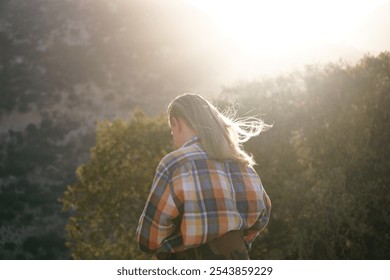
x=195, y=199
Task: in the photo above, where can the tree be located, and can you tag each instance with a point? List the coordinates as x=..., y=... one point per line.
x=112, y=187
x=324, y=162
x=34, y=166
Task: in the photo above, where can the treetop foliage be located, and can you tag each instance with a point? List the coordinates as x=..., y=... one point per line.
x=113, y=186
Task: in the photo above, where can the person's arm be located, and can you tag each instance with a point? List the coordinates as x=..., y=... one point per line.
x=251, y=233
x=156, y=221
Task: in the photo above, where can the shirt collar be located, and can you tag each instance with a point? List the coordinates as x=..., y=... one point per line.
x=192, y=141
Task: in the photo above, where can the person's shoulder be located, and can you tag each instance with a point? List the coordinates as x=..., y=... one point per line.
x=238, y=167
x=182, y=156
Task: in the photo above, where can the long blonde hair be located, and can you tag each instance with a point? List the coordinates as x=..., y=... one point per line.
x=221, y=134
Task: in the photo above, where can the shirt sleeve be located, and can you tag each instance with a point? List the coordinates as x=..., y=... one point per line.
x=157, y=220
x=251, y=233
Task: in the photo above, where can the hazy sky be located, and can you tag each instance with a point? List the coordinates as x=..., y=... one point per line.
x=268, y=37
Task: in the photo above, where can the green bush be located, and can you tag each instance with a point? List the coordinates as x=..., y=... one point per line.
x=112, y=188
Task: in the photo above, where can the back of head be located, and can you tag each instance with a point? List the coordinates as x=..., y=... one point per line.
x=221, y=136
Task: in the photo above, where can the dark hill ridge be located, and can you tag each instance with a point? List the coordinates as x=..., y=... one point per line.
x=64, y=65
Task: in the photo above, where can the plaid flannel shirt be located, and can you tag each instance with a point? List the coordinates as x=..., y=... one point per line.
x=195, y=199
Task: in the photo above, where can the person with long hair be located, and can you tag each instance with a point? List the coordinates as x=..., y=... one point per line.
x=206, y=200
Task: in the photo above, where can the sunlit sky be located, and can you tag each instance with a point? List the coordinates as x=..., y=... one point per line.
x=297, y=22
x=294, y=31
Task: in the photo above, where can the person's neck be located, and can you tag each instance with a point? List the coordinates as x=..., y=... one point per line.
x=187, y=138
x=187, y=135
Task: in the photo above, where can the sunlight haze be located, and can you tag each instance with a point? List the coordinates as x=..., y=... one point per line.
x=275, y=36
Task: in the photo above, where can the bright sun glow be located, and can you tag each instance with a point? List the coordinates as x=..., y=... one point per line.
x=281, y=25
x=269, y=36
